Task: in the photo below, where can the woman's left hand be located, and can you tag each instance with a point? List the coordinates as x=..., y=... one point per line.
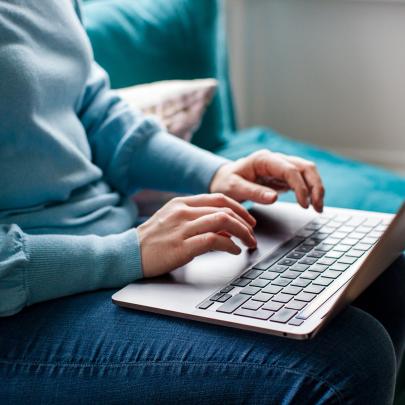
x=262, y=175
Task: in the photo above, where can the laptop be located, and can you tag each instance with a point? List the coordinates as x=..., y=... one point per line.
x=307, y=267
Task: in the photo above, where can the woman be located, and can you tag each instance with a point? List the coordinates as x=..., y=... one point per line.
x=71, y=155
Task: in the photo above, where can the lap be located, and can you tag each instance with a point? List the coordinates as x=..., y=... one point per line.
x=85, y=349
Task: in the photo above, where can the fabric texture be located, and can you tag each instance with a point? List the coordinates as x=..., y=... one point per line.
x=77, y=153
x=178, y=104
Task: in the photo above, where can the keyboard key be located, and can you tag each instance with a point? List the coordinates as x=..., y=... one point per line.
x=269, y=275
x=323, y=281
x=341, y=218
x=253, y=305
x=281, y=282
x=272, y=289
x=240, y=282
x=278, y=269
x=252, y=274
x=308, y=260
x=339, y=267
x=316, y=253
x=287, y=262
x=310, y=242
x=264, y=315
x=260, y=282
x=279, y=253
x=314, y=289
x=295, y=255
x=262, y=297
x=224, y=298
x=292, y=290
x=291, y=274
x=364, y=229
x=349, y=241
x=355, y=235
x=299, y=267
x=297, y=305
x=227, y=289
x=304, y=296
x=342, y=248
x=363, y=246
x=272, y=306
x=281, y=297
x=284, y=315
x=296, y=322
x=305, y=233
x=301, y=282
x=304, y=248
x=216, y=296
x=355, y=221
x=233, y=303
x=327, y=261
x=314, y=226
x=331, y=241
x=310, y=275
x=324, y=247
x=347, y=260
x=319, y=268
x=369, y=240
x=206, y=304
x=334, y=254
x=346, y=228
x=250, y=290
x=355, y=253
x=339, y=235
x=331, y=274
x=371, y=222
x=320, y=235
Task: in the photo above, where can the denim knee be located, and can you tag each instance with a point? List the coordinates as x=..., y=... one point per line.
x=364, y=359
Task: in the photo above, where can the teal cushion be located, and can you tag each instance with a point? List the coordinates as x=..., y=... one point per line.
x=149, y=40
x=348, y=183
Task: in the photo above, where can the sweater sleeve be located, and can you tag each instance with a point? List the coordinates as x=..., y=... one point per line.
x=36, y=268
x=133, y=150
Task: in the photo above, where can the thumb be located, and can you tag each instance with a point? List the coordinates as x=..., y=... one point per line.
x=246, y=190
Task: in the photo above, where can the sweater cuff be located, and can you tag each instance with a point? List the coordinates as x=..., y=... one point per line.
x=60, y=265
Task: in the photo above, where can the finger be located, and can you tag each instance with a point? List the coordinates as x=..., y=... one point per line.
x=200, y=244
x=220, y=222
x=276, y=165
x=247, y=190
x=313, y=179
x=220, y=200
x=196, y=212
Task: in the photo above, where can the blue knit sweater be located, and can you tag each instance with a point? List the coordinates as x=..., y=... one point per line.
x=71, y=154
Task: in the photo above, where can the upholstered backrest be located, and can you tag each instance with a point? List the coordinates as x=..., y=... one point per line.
x=140, y=41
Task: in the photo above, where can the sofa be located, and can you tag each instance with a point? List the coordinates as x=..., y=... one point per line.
x=149, y=40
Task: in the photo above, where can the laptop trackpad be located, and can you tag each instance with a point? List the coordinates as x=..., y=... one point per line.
x=205, y=274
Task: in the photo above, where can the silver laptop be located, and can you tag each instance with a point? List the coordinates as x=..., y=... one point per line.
x=306, y=269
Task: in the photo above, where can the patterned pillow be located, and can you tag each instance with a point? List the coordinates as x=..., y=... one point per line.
x=180, y=106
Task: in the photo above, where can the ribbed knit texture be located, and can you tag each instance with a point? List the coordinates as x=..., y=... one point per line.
x=71, y=154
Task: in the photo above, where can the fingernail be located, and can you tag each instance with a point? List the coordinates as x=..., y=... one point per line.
x=269, y=195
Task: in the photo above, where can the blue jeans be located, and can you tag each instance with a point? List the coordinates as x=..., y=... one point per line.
x=85, y=350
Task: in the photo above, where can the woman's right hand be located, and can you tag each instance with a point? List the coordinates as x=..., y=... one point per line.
x=187, y=227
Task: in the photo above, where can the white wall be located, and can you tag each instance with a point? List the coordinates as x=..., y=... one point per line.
x=331, y=72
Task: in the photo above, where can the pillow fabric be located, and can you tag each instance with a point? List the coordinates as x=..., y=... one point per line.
x=145, y=41
x=180, y=106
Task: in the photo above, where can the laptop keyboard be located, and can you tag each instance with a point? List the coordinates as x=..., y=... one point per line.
x=283, y=284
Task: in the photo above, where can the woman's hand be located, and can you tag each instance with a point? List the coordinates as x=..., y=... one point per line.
x=187, y=227
x=260, y=176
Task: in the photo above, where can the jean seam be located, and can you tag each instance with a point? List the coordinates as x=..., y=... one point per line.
x=310, y=376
